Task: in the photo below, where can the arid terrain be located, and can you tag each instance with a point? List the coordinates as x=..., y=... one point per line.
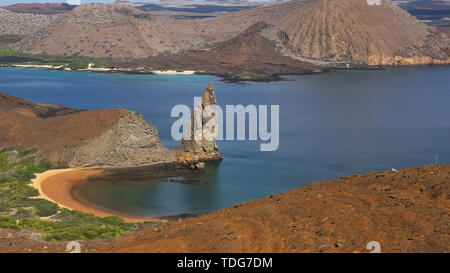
x=19, y=25
x=42, y=110
x=317, y=31
x=405, y=211
x=248, y=51
x=35, y=8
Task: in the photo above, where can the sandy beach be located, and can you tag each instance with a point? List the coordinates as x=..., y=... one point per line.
x=37, y=66
x=173, y=72
x=57, y=186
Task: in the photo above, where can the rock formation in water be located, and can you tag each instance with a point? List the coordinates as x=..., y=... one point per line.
x=72, y=138
x=199, y=141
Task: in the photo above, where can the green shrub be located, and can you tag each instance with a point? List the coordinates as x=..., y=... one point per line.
x=16, y=193
x=27, y=152
x=24, y=213
x=44, y=207
x=8, y=222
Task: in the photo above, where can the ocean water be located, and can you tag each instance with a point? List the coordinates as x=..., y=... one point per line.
x=331, y=125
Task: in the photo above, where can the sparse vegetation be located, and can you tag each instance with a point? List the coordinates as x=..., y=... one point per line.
x=14, y=23
x=252, y=75
x=21, y=210
x=72, y=62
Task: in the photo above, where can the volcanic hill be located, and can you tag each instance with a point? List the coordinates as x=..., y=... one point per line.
x=352, y=30
x=121, y=32
x=22, y=24
x=37, y=8
x=232, y=59
x=333, y=30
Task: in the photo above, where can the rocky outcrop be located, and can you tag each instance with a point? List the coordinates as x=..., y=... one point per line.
x=435, y=49
x=199, y=141
x=108, y=138
x=114, y=137
x=132, y=141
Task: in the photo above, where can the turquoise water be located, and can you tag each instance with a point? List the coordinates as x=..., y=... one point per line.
x=331, y=125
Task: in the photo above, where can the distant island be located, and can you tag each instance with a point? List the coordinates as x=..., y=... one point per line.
x=255, y=42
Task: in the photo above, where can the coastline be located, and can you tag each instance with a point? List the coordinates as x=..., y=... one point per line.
x=225, y=77
x=102, y=69
x=401, y=209
x=57, y=185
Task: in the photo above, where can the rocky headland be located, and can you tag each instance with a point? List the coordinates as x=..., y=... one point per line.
x=70, y=138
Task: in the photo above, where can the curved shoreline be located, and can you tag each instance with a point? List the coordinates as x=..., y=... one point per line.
x=57, y=185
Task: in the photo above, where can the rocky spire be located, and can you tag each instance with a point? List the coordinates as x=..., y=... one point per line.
x=200, y=139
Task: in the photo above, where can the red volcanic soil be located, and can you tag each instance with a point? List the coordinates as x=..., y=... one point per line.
x=22, y=128
x=43, y=110
x=405, y=211
x=48, y=8
x=247, y=52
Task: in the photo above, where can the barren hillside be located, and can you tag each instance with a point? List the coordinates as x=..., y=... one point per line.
x=249, y=51
x=36, y=8
x=119, y=31
x=13, y=23
x=405, y=211
x=337, y=30
x=42, y=110
x=351, y=30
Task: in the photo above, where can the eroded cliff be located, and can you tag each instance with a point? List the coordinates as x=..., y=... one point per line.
x=107, y=138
